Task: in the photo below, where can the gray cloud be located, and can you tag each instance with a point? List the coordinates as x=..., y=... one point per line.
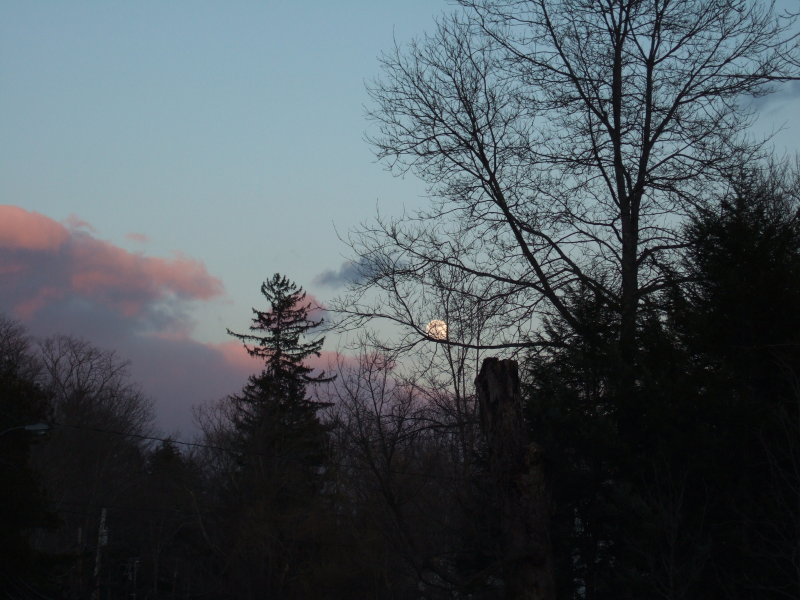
x=349, y=272
x=784, y=92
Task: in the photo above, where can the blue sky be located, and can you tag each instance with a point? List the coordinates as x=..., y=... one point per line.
x=190, y=149
x=231, y=132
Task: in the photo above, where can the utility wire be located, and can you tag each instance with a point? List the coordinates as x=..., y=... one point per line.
x=154, y=438
x=246, y=453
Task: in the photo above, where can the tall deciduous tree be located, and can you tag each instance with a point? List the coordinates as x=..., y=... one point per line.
x=94, y=457
x=564, y=143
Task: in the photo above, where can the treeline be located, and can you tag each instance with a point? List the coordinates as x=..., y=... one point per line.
x=374, y=484
x=685, y=486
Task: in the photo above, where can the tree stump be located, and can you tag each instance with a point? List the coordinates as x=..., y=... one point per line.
x=517, y=472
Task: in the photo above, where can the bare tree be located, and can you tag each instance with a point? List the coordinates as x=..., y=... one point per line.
x=409, y=465
x=94, y=457
x=16, y=350
x=564, y=143
x=386, y=463
x=93, y=387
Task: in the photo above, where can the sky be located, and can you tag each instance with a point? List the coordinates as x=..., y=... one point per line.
x=159, y=160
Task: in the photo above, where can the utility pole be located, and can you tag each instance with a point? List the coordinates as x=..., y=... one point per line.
x=102, y=540
x=516, y=470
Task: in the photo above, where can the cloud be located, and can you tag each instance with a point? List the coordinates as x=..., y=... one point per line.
x=349, y=272
x=75, y=222
x=42, y=261
x=139, y=238
x=783, y=93
x=23, y=230
x=239, y=360
x=317, y=310
x=190, y=373
x=182, y=373
x=236, y=356
x=60, y=278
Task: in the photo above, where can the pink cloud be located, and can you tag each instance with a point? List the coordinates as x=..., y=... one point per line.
x=75, y=222
x=317, y=310
x=237, y=358
x=61, y=278
x=139, y=238
x=330, y=360
x=42, y=260
x=180, y=373
x=20, y=229
x=11, y=267
x=26, y=309
x=130, y=281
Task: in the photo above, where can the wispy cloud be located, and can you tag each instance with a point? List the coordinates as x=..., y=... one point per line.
x=349, y=272
x=75, y=222
x=139, y=238
x=782, y=94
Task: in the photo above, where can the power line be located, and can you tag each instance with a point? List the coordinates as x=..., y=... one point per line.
x=246, y=453
x=153, y=438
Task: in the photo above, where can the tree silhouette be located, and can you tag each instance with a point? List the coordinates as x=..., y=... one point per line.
x=275, y=495
x=564, y=144
x=690, y=490
x=277, y=338
x=742, y=325
x=23, y=506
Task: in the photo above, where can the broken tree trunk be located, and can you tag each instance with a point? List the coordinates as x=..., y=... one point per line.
x=517, y=472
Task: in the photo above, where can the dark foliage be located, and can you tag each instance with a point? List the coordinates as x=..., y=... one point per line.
x=688, y=488
x=275, y=496
x=23, y=503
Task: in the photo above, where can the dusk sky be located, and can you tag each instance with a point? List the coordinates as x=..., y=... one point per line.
x=159, y=160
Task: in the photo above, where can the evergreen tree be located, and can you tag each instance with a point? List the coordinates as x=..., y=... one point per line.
x=691, y=489
x=277, y=492
x=277, y=338
x=741, y=323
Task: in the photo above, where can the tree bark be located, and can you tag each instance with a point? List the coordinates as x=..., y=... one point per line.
x=517, y=469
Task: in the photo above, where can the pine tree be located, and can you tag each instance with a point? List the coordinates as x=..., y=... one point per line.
x=278, y=495
x=277, y=338
x=741, y=322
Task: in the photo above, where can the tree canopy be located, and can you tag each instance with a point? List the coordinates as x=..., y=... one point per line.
x=565, y=143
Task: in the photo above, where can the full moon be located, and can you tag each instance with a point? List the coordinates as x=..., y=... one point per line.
x=436, y=329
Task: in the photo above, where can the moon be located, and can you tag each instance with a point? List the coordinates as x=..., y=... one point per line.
x=436, y=329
